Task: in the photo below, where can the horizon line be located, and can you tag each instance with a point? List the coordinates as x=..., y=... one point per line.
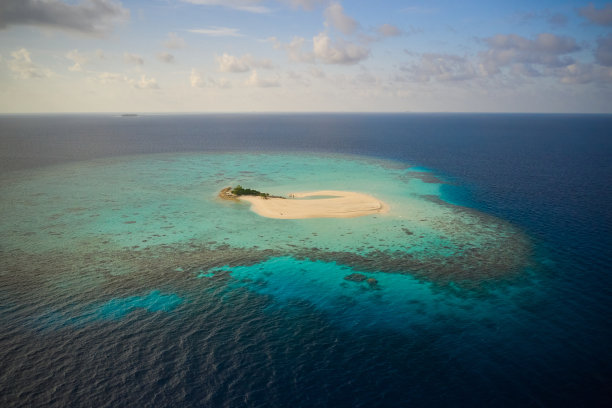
x=153, y=113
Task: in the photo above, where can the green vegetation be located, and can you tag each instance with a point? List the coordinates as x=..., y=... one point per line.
x=240, y=191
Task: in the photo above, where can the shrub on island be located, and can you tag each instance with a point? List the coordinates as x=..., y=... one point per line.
x=241, y=191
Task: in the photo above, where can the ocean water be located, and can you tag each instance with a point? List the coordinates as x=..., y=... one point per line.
x=126, y=281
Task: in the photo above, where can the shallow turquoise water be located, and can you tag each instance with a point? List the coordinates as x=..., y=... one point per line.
x=106, y=223
x=148, y=201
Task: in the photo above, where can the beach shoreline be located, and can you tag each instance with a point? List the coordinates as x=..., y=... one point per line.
x=317, y=204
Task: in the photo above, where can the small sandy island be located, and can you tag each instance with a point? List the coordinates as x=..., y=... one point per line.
x=316, y=204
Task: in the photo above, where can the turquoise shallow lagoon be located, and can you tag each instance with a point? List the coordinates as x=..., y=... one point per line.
x=146, y=223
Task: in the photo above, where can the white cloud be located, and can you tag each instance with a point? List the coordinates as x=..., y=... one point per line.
x=441, y=67
x=546, y=49
x=255, y=80
x=198, y=81
x=165, y=57
x=21, y=64
x=108, y=78
x=520, y=57
x=88, y=16
x=146, y=83
x=133, y=58
x=174, y=41
x=295, y=50
x=195, y=79
x=78, y=59
x=230, y=63
x=340, y=52
x=584, y=73
x=324, y=50
x=335, y=17
x=251, y=6
x=601, y=16
x=217, y=31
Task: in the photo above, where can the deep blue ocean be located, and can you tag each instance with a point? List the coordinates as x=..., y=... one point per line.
x=545, y=338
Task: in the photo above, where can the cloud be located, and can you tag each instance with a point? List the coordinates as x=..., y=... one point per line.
x=133, y=58
x=525, y=70
x=298, y=78
x=255, y=80
x=603, y=54
x=108, y=78
x=601, y=16
x=254, y=6
x=388, y=30
x=165, y=57
x=78, y=59
x=584, y=74
x=335, y=17
x=198, y=81
x=518, y=57
x=340, y=52
x=323, y=49
x=230, y=63
x=365, y=78
x=88, y=16
x=305, y=4
x=295, y=50
x=217, y=31
x=317, y=73
x=441, y=67
x=174, y=41
x=546, y=49
x=146, y=83
x=251, y=6
x=21, y=64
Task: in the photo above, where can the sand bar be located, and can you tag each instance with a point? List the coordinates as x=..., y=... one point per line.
x=317, y=204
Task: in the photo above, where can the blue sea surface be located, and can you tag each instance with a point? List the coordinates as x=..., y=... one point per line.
x=125, y=282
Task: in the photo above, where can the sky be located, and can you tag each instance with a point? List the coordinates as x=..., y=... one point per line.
x=305, y=56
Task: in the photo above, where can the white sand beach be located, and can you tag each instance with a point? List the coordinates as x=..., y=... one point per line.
x=317, y=204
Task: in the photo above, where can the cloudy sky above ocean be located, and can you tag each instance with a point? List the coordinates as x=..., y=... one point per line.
x=305, y=55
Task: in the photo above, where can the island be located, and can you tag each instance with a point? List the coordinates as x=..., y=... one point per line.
x=314, y=204
x=233, y=193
